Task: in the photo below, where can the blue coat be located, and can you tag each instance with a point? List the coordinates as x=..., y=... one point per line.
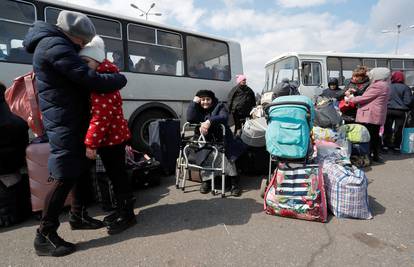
x=217, y=114
x=400, y=97
x=64, y=84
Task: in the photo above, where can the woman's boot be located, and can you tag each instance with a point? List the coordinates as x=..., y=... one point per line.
x=235, y=186
x=123, y=218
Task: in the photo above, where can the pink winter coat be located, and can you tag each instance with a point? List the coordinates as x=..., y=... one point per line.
x=373, y=103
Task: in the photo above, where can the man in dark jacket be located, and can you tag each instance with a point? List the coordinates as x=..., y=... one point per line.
x=398, y=104
x=241, y=100
x=64, y=82
x=333, y=90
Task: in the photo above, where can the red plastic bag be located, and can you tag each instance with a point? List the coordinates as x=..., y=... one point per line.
x=343, y=106
x=22, y=100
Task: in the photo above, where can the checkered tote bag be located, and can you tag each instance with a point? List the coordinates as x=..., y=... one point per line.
x=346, y=190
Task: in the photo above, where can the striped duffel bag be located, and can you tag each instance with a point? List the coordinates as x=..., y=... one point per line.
x=297, y=192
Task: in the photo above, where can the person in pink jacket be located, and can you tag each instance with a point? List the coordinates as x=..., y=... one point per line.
x=372, y=107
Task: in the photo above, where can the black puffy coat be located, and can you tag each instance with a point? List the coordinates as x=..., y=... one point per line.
x=64, y=84
x=217, y=114
x=241, y=100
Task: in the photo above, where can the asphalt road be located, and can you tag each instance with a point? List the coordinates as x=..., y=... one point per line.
x=190, y=229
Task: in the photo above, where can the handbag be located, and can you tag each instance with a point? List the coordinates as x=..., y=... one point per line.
x=297, y=193
x=22, y=100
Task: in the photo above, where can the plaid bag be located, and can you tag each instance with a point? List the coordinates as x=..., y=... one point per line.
x=297, y=193
x=346, y=189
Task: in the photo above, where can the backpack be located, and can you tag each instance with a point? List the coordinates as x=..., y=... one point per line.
x=21, y=97
x=326, y=115
x=290, y=121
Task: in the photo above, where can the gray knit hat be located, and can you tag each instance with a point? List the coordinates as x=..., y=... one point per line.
x=76, y=24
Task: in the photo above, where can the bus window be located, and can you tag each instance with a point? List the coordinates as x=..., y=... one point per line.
x=269, y=78
x=207, y=59
x=382, y=63
x=369, y=63
x=348, y=66
x=396, y=64
x=333, y=66
x=3, y=51
x=17, y=11
x=408, y=64
x=311, y=73
x=169, y=39
x=15, y=20
x=148, y=57
x=286, y=68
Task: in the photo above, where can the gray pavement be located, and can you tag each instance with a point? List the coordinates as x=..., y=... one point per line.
x=190, y=229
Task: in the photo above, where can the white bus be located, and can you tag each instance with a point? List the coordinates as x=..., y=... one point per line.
x=312, y=70
x=165, y=66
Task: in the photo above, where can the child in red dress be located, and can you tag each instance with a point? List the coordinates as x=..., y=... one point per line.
x=107, y=135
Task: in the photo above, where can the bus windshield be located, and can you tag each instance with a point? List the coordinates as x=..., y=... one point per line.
x=285, y=68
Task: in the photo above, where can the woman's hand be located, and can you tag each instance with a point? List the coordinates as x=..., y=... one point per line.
x=204, y=127
x=90, y=153
x=197, y=99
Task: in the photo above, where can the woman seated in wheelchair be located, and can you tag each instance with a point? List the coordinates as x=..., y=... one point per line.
x=210, y=113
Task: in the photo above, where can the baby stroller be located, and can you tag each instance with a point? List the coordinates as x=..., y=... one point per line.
x=198, y=153
x=288, y=136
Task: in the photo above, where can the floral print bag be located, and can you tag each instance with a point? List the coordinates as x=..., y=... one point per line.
x=297, y=192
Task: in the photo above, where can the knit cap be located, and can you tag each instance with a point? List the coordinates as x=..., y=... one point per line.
x=95, y=49
x=76, y=24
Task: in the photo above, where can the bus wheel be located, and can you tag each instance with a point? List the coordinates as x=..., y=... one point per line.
x=140, y=128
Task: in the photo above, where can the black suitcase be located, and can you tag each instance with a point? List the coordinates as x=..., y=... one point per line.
x=164, y=139
x=255, y=160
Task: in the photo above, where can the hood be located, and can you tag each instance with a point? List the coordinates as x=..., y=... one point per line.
x=397, y=77
x=379, y=74
x=333, y=81
x=40, y=30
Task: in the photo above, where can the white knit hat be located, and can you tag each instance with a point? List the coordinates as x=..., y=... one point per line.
x=95, y=49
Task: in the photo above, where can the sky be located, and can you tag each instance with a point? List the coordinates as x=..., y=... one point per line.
x=267, y=28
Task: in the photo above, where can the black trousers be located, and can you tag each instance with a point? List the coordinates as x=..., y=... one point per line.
x=113, y=159
x=398, y=117
x=375, y=142
x=55, y=200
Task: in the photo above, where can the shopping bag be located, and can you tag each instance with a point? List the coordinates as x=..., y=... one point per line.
x=297, y=192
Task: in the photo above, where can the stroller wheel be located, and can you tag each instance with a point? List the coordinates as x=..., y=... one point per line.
x=263, y=186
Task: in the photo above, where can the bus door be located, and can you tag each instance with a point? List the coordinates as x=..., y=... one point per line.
x=311, y=78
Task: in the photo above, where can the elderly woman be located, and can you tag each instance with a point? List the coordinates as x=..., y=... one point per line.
x=356, y=86
x=207, y=110
x=372, y=107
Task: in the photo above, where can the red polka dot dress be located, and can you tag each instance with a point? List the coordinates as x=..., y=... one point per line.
x=107, y=126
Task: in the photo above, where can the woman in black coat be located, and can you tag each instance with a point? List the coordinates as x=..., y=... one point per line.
x=207, y=110
x=63, y=82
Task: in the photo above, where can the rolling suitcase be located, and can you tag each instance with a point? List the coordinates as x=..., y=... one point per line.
x=164, y=139
x=143, y=170
x=37, y=155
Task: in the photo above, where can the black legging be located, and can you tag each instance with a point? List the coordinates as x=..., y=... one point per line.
x=113, y=159
x=398, y=117
x=375, y=142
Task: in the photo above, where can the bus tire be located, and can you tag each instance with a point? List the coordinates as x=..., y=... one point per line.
x=140, y=128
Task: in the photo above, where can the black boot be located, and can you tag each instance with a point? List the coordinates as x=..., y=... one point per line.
x=52, y=245
x=205, y=187
x=82, y=221
x=235, y=187
x=107, y=220
x=125, y=217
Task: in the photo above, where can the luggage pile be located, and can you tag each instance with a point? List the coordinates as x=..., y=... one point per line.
x=318, y=162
